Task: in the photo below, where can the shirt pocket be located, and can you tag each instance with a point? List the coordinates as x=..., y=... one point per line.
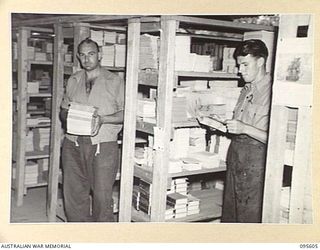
x=259, y=115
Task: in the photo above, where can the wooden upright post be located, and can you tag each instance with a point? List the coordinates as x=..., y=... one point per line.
x=129, y=131
x=55, y=144
x=164, y=117
x=22, y=114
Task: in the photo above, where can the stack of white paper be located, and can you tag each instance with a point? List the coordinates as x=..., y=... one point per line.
x=31, y=173
x=191, y=164
x=41, y=138
x=179, y=109
x=148, y=58
x=195, y=85
x=182, y=53
x=146, y=107
x=175, y=166
x=120, y=55
x=97, y=36
x=109, y=37
x=33, y=87
x=80, y=119
x=207, y=159
x=197, y=142
x=193, y=206
x=108, y=55
x=180, y=143
x=202, y=63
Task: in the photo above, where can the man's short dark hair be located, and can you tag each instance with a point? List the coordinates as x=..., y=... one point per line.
x=88, y=40
x=253, y=47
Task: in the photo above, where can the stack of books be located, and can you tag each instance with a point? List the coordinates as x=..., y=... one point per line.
x=179, y=203
x=108, y=55
x=193, y=206
x=33, y=87
x=169, y=213
x=148, y=57
x=31, y=173
x=145, y=195
x=43, y=164
x=80, y=119
x=180, y=185
x=229, y=64
x=41, y=138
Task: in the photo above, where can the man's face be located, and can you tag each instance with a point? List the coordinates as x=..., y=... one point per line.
x=249, y=67
x=89, y=56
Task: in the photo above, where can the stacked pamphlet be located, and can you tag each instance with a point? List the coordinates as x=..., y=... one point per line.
x=80, y=119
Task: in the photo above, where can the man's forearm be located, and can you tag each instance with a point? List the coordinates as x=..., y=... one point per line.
x=115, y=118
x=256, y=133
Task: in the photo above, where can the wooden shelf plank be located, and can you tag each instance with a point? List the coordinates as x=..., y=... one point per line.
x=43, y=94
x=36, y=155
x=39, y=125
x=40, y=62
x=214, y=74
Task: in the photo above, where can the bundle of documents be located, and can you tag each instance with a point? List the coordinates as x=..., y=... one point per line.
x=97, y=36
x=145, y=195
x=180, y=143
x=108, y=55
x=180, y=185
x=109, y=37
x=213, y=122
x=191, y=164
x=33, y=87
x=182, y=53
x=229, y=63
x=120, y=55
x=175, y=166
x=148, y=57
x=197, y=140
x=193, y=206
x=207, y=159
x=146, y=107
x=179, y=203
x=195, y=85
x=80, y=119
x=202, y=63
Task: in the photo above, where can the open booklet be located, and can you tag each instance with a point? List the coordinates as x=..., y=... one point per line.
x=214, y=122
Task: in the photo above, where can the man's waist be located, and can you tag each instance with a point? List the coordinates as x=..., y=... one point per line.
x=243, y=138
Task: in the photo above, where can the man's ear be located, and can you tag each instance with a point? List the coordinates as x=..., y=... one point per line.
x=261, y=61
x=99, y=56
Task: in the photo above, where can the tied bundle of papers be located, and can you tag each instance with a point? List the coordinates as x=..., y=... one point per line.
x=80, y=119
x=213, y=122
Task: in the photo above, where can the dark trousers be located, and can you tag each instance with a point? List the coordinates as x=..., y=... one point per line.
x=83, y=173
x=243, y=193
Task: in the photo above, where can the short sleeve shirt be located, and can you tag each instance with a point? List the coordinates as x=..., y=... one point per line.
x=107, y=94
x=253, y=106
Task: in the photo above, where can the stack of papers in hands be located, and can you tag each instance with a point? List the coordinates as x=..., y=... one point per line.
x=80, y=119
x=213, y=122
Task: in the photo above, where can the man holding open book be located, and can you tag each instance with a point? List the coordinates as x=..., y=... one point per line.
x=92, y=109
x=243, y=194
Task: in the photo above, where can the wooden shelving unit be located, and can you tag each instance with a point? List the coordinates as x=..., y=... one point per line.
x=166, y=80
x=22, y=69
x=292, y=91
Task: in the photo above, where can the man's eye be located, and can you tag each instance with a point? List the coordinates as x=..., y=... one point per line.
x=92, y=53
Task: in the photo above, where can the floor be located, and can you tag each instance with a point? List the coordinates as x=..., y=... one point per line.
x=33, y=208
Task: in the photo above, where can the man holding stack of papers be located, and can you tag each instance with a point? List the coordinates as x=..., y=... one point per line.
x=92, y=110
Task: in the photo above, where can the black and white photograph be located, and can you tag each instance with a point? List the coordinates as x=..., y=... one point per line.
x=162, y=118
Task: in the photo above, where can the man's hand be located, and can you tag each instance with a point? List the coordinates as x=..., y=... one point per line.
x=236, y=127
x=96, y=124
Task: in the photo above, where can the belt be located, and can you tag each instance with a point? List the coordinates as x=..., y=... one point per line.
x=247, y=140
